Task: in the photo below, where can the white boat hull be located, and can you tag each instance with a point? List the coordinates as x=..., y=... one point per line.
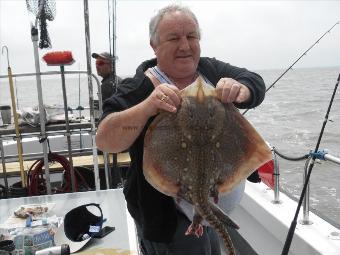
x=265, y=225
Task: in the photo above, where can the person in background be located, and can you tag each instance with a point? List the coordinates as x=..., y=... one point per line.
x=175, y=39
x=104, y=62
x=104, y=69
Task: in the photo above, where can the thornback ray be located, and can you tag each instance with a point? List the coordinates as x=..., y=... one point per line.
x=204, y=149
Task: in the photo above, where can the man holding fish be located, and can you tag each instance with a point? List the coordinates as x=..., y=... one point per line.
x=162, y=222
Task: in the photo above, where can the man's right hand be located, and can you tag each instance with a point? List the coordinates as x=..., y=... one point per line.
x=118, y=130
x=164, y=97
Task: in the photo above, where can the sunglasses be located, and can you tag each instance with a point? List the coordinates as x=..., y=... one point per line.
x=101, y=62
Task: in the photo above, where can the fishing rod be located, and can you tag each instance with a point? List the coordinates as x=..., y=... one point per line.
x=112, y=38
x=16, y=121
x=291, y=231
x=109, y=15
x=297, y=60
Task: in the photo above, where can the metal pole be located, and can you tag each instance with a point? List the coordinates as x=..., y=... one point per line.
x=34, y=36
x=332, y=158
x=108, y=180
x=79, y=109
x=114, y=43
x=305, y=204
x=3, y=161
x=276, y=179
x=90, y=87
x=67, y=126
x=106, y=156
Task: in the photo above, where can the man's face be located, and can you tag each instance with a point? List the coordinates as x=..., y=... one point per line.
x=178, y=49
x=103, y=67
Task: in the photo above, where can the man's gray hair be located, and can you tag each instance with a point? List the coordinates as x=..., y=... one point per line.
x=154, y=22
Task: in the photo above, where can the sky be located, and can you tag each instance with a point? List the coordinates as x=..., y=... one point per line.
x=252, y=34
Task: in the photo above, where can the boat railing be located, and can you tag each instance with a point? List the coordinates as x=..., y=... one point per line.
x=37, y=155
x=320, y=155
x=59, y=72
x=36, y=134
x=88, y=129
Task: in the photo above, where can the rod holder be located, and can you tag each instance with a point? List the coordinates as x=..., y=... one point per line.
x=305, y=204
x=276, y=179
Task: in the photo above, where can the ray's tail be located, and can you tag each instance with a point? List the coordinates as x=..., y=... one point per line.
x=205, y=210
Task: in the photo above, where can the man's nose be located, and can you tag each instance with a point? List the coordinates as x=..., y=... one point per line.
x=184, y=43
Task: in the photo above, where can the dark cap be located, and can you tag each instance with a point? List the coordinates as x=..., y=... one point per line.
x=80, y=222
x=104, y=55
x=80, y=225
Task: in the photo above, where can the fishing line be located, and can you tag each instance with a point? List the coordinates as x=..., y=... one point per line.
x=297, y=60
x=291, y=231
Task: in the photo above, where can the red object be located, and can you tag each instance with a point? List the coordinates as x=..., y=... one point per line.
x=266, y=173
x=58, y=58
x=36, y=183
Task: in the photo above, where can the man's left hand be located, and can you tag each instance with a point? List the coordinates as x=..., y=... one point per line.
x=231, y=91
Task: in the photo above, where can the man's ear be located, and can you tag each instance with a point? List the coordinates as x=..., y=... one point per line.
x=153, y=46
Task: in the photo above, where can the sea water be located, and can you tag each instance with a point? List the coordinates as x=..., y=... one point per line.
x=290, y=119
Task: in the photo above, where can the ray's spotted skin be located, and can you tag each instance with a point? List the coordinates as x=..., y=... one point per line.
x=202, y=150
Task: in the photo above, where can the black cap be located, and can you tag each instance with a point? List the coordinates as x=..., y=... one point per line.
x=104, y=55
x=80, y=223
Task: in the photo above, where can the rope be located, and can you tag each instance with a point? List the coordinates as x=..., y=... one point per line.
x=37, y=183
x=290, y=158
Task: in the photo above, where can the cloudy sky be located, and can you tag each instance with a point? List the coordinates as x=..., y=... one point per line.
x=252, y=34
